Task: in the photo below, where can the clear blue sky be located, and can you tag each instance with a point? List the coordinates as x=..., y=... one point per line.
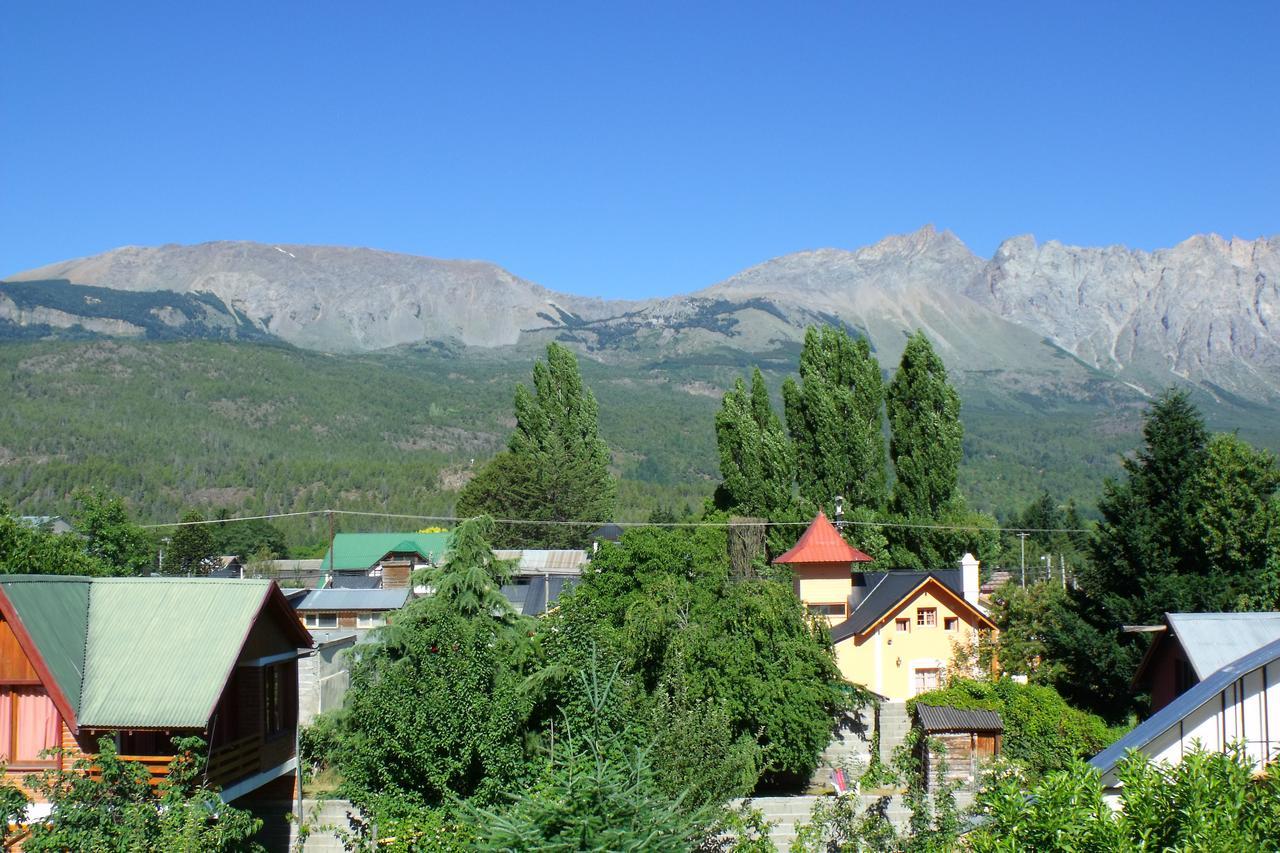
x=632, y=149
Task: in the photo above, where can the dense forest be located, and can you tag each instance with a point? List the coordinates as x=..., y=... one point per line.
x=260, y=428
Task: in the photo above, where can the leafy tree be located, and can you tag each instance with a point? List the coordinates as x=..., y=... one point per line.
x=116, y=809
x=661, y=605
x=1236, y=523
x=26, y=550
x=925, y=433
x=558, y=468
x=243, y=538
x=756, y=463
x=110, y=536
x=834, y=417
x=190, y=547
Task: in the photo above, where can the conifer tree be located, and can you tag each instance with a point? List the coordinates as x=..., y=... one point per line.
x=470, y=581
x=925, y=434
x=556, y=467
x=755, y=457
x=190, y=546
x=834, y=417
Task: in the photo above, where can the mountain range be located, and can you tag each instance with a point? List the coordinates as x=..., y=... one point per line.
x=1043, y=318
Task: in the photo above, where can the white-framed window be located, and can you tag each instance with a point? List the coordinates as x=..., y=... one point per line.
x=374, y=619
x=320, y=620
x=927, y=617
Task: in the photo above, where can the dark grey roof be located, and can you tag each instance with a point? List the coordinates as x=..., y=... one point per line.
x=607, y=533
x=535, y=595
x=943, y=718
x=1168, y=716
x=354, y=580
x=884, y=590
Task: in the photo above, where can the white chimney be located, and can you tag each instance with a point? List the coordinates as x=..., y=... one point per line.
x=969, y=578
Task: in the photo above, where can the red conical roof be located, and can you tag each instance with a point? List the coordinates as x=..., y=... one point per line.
x=822, y=543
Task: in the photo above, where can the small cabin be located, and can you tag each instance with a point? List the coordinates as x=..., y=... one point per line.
x=955, y=744
x=142, y=660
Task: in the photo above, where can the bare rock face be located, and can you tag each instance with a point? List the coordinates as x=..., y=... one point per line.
x=1206, y=310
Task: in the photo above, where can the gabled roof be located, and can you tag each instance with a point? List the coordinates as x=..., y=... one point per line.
x=944, y=718
x=1213, y=640
x=887, y=590
x=354, y=580
x=1168, y=716
x=537, y=594
x=365, y=550
x=353, y=599
x=822, y=543
x=544, y=560
x=130, y=652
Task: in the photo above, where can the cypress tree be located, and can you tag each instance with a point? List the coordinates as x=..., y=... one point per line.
x=925, y=434
x=755, y=457
x=834, y=417
x=556, y=467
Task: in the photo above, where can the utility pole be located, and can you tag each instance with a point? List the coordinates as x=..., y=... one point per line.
x=332, y=557
x=1022, y=547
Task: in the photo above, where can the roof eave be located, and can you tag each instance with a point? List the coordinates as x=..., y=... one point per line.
x=32, y=651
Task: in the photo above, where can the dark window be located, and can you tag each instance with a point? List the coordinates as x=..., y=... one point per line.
x=1184, y=677
x=826, y=609
x=279, y=697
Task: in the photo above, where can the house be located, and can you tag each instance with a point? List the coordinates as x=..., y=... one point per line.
x=1237, y=703
x=957, y=740
x=894, y=632
x=323, y=677
x=1189, y=647
x=143, y=660
x=381, y=560
x=540, y=576
x=48, y=523
x=358, y=610
x=226, y=566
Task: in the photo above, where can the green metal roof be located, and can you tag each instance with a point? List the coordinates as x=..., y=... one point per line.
x=55, y=612
x=160, y=650
x=364, y=550
x=138, y=652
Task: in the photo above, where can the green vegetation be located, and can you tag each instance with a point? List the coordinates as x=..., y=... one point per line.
x=757, y=462
x=556, y=467
x=1209, y=801
x=1042, y=733
x=117, y=808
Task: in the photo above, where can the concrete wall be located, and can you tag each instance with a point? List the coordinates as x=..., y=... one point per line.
x=323, y=679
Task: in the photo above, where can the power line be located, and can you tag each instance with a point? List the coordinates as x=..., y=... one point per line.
x=553, y=522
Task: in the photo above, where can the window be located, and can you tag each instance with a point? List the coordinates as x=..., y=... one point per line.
x=371, y=620
x=925, y=680
x=927, y=617
x=279, y=697
x=28, y=724
x=321, y=620
x=903, y=625
x=951, y=623
x=826, y=609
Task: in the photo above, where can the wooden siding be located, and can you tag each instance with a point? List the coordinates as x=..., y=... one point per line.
x=15, y=667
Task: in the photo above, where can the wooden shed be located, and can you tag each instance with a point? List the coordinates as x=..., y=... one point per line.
x=962, y=741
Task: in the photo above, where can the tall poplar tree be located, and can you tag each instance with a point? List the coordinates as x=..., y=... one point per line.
x=925, y=434
x=834, y=417
x=556, y=467
x=756, y=463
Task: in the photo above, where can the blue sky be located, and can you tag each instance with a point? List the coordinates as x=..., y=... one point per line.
x=632, y=149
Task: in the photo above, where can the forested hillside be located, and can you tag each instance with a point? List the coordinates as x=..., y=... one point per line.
x=258, y=428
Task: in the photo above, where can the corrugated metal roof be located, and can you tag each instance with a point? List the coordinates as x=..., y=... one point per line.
x=364, y=550
x=544, y=561
x=822, y=543
x=537, y=594
x=944, y=718
x=353, y=599
x=55, y=612
x=152, y=660
x=354, y=580
x=1168, y=716
x=1213, y=640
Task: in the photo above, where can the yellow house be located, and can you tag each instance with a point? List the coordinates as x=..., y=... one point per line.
x=893, y=632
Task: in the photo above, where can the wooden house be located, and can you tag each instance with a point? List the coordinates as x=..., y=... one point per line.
x=381, y=560
x=348, y=609
x=1189, y=647
x=894, y=632
x=955, y=744
x=141, y=660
